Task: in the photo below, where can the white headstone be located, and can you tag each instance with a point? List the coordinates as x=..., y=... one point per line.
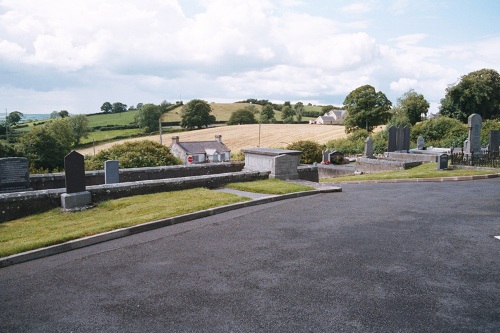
x=111, y=172
x=420, y=143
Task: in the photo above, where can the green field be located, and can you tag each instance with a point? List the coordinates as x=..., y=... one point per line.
x=106, y=119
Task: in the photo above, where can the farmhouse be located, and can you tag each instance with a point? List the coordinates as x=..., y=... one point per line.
x=200, y=151
x=332, y=117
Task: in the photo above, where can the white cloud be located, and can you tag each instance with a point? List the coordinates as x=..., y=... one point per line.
x=357, y=8
x=148, y=51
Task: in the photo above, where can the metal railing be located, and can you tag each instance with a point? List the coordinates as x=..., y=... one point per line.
x=484, y=159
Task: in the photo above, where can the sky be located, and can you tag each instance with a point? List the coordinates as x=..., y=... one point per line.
x=75, y=55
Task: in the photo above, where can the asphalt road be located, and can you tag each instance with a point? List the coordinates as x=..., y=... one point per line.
x=407, y=257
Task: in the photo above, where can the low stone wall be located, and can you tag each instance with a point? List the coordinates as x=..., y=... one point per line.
x=308, y=172
x=57, y=180
x=19, y=204
x=371, y=165
x=420, y=157
x=332, y=171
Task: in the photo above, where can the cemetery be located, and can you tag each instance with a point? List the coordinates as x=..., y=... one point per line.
x=81, y=190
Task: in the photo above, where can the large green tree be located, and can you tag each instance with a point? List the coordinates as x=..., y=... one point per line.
x=242, y=116
x=79, y=124
x=299, y=109
x=196, y=114
x=106, y=107
x=267, y=114
x=366, y=109
x=477, y=92
x=287, y=114
x=148, y=117
x=119, y=107
x=413, y=105
x=14, y=118
x=43, y=149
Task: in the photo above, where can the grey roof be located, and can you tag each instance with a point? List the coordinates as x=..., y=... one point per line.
x=200, y=147
x=327, y=118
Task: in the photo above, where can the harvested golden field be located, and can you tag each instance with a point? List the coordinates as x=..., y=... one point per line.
x=247, y=136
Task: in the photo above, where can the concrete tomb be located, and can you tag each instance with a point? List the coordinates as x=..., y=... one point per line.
x=281, y=163
x=111, y=172
x=14, y=174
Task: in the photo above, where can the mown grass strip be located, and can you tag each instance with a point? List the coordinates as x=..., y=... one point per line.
x=55, y=227
x=426, y=170
x=270, y=186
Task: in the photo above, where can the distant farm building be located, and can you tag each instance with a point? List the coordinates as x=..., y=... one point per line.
x=334, y=117
x=200, y=151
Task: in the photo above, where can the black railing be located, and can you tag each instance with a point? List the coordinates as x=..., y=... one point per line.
x=484, y=159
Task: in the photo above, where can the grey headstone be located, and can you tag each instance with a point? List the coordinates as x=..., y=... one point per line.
x=74, y=169
x=369, y=147
x=111, y=172
x=326, y=156
x=442, y=162
x=285, y=167
x=494, y=141
x=14, y=174
x=420, y=143
x=392, y=139
x=466, y=145
x=475, y=122
x=406, y=138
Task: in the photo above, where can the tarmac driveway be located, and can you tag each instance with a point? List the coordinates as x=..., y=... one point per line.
x=407, y=257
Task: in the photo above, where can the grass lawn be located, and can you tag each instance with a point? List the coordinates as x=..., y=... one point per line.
x=269, y=186
x=55, y=227
x=426, y=170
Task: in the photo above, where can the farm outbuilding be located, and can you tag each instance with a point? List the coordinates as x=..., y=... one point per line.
x=195, y=152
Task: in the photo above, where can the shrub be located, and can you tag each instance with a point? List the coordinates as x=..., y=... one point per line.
x=138, y=154
x=311, y=151
x=440, y=132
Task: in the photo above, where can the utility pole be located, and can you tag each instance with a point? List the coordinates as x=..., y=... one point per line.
x=159, y=121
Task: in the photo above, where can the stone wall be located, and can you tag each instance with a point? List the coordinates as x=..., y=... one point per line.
x=19, y=204
x=57, y=180
x=308, y=172
x=421, y=157
x=370, y=165
x=332, y=171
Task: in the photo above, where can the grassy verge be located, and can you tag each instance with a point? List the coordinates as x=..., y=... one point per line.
x=270, y=186
x=426, y=170
x=55, y=227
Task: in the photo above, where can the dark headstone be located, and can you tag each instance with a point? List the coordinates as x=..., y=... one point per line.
x=494, y=141
x=74, y=168
x=14, y=174
x=111, y=172
x=442, y=162
x=392, y=139
x=336, y=157
x=399, y=138
x=406, y=138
